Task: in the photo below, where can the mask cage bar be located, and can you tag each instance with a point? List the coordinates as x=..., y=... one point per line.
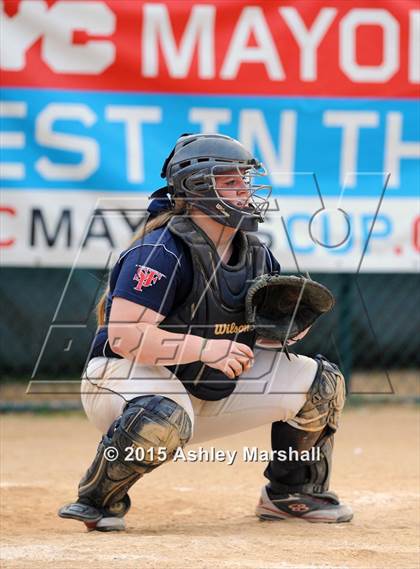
x=257, y=204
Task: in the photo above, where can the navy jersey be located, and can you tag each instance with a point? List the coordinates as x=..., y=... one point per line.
x=156, y=272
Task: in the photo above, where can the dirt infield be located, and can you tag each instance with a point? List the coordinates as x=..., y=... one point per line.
x=200, y=515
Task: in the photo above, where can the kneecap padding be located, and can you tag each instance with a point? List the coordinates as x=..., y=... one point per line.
x=147, y=425
x=325, y=399
x=152, y=422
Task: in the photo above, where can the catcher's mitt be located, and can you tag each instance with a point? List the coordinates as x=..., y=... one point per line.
x=280, y=307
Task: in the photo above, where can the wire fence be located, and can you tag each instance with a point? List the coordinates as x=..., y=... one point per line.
x=373, y=326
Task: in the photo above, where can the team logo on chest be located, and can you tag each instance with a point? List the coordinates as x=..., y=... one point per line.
x=145, y=277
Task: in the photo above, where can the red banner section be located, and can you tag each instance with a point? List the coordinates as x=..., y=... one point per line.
x=363, y=48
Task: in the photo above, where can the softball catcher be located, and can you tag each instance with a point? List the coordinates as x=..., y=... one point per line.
x=192, y=344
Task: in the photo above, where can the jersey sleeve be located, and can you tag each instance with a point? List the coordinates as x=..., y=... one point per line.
x=148, y=276
x=273, y=266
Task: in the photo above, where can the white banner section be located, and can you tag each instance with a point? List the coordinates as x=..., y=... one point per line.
x=89, y=229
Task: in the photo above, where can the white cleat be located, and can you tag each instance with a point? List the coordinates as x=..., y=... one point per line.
x=322, y=508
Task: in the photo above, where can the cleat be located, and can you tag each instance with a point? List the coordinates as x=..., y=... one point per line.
x=322, y=508
x=110, y=524
x=93, y=518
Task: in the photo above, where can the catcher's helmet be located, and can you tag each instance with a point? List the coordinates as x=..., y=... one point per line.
x=192, y=170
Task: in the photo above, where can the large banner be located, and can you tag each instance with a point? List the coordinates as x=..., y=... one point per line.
x=96, y=92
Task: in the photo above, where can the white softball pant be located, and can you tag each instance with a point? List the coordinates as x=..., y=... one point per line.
x=274, y=389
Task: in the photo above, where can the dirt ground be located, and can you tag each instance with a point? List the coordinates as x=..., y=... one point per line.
x=200, y=515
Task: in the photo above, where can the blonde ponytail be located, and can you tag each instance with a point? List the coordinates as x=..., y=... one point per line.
x=159, y=221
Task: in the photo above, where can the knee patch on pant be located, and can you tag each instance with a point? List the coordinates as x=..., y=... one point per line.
x=325, y=400
x=148, y=425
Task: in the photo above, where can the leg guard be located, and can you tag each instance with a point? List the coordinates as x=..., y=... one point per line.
x=325, y=400
x=314, y=425
x=149, y=424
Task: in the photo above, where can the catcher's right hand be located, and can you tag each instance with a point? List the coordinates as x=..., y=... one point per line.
x=229, y=357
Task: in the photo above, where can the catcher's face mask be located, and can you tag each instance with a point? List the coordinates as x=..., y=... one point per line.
x=197, y=168
x=232, y=193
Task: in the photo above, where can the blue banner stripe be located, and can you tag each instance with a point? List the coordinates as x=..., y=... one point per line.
x=118, y=141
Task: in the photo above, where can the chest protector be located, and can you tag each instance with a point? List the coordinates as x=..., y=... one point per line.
x=215, y=307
